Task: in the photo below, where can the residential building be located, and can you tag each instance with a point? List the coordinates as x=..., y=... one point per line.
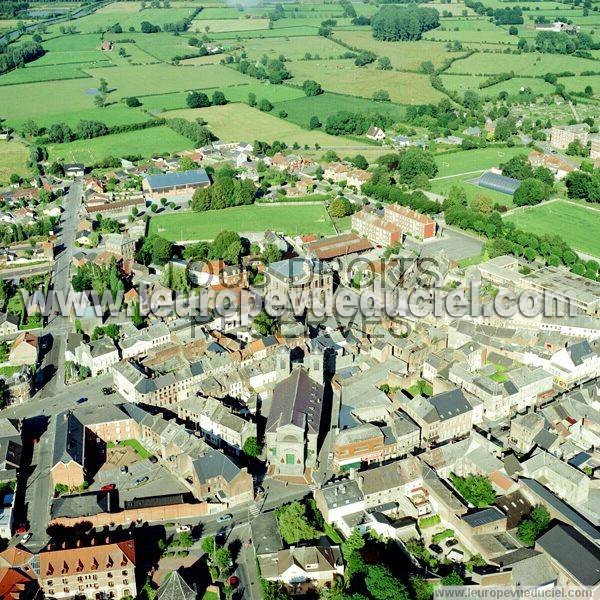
x=563, y=135
x=376, y=229
x=375, y=133
x=89, y=572
x=9, y=324
x=69, y=451
x=24, y=350
x=558, y=165
x=98, y=356
x=338, y=499
x=410, y=221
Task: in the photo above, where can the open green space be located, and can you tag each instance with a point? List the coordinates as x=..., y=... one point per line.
x=48, y=73
x=577, y=223
x=145, y=143
x=480, y=159
x=443, y=186
x=13, y=159
x=301, y=109
x=344, y=77
x=291, y=220
x=137, y=447
x=316, y=46
x=235, y=121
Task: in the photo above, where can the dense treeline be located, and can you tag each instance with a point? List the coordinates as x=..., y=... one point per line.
x=494, y=79
x=15, y=232
x=512, y=15
x=226, y=191
x=393, y=23
x=555, y=42
x=348, y=123
x=85, y=129
x=584, y=184
x=200, y=135
x=16, y=56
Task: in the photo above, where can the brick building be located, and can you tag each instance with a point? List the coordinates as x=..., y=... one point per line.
x=409, y=221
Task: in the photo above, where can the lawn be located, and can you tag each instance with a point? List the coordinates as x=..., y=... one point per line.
x=235, y=121
x=160, y=46
x=301, y=109
x=552, y=217
x=139, y=449
x=461, y=83
x=403, y=55
x=442, y=186
x=13, y=159
x=578, y=84
x=146, y=142
x=344, y=77
x=290, y=220
x=466, y=161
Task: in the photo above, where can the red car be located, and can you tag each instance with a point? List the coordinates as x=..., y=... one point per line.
x=233, y=581
x=22, y=529
x=109, y=487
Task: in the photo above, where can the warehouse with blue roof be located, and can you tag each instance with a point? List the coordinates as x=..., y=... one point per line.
x=175, y=186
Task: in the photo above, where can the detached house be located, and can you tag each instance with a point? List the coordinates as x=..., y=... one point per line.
x=375, y=133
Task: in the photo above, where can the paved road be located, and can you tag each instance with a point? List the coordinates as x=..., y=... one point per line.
x=53, y=366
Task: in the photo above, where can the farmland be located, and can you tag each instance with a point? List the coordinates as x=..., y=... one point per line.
x=13, y=156
x=551, y=218
x=291, y=220
x=145, y=143
x=228, y=121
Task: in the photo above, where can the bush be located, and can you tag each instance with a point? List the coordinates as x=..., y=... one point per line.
x=426, y=522
x=442, y=535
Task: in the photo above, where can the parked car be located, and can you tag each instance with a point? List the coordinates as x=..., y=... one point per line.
x=233, y=581
x=451, y=542
x=141, y=480
x=183, y=528
x=81, y=400
x=436, y=549
x=25, y=538
x=109, y=487
x=124, y=469
x=224, y=518
x=107, y=391
x=22, y=528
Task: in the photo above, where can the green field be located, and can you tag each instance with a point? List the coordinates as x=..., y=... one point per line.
x=219, y=25
x=301, y=109
x=577, y=223
x=291, y=220
x=343, y=77
x=145, y=142
x=468, y=161
x=443, y=186
x=461, y=83
x=13, y=158
x=235, y=121
x=48, y=73
x=273, y=47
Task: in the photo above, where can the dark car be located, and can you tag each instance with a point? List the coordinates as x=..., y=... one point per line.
x=81, y=400
x=436, y=549
x=107, y=391
x=451, y=543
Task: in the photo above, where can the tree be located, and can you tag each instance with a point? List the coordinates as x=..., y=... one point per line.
x=360, y=162
x=251, y=99
x=312, y=88
x=226, y=246
x=251, y=447
x=314, y=122
x=218, y=98
x=393, y=23
x=264, y=323
x=476, y=489
x=197, y=100
x=422, y=589
x=103, y=87
x=365, y=58
x=271, y=253
x=382, y=585
x=99, y=100
x=452, y=578
x=530, y=192
x=340, y=207
x=147, y=27
x=413, y=161
x=208, y=545
x=381, y=96
x=512, y=30
x=265, y=105
x=532, y=526
x=294, y=525
x=273, y=590
x=133, y=102
x=482, y=203
x=185, y=164
x=384, y=63
x=222, y=558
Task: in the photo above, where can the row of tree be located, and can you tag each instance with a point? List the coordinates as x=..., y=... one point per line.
x=12, y=57
x=555, y=42
x=393, y=23
x=226, y=191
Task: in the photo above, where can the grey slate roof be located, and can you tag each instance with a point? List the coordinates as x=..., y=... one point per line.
x=175, y=588
x=215, y=464
x=450, y=404
x=297, y=400
x=265, y=534
x=575, y=553
x=168, y=180
x=484, y=516
x=69, y=439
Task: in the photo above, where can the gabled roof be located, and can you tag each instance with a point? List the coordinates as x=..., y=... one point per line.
x=215, y=464
x=167, y=180
x=69, y=439
x=297, y=400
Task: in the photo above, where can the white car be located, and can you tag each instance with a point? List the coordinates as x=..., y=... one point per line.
x=224, y=518
x=183, y=528
x=25, y=538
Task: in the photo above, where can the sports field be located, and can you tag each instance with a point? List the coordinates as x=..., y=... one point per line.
x=473, y=161
x=577, y=223
x=291, y=220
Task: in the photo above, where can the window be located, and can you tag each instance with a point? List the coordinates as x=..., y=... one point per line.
x=290, y=459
